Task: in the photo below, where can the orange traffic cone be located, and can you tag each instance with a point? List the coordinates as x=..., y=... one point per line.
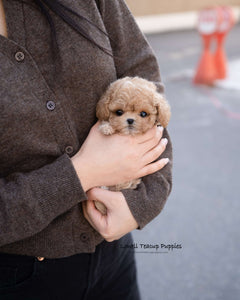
x=227, y=21
x=220, y=58
x=206, y=70
x=207, y=26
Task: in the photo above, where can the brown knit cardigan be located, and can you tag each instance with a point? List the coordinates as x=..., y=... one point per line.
x=43, y=122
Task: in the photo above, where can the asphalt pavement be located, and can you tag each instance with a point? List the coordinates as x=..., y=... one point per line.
x=200, y=221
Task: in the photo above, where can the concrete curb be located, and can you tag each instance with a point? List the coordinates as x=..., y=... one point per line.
x=172, y=22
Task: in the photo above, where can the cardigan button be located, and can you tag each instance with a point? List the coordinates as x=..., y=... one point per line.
x=69, y=150
x=19, y=56
x=50, y=105
x=84, y=237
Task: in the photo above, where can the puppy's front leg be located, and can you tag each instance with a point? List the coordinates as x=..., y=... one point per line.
x=106, y=128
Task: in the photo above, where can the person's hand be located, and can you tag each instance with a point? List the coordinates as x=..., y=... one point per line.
x=109, y=160
x=117, y=222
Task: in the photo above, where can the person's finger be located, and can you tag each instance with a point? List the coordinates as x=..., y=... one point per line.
x=153, y=142
x=154, y=153
x=113, y=238
x=94, y=217
x=149, y=135
x=94, y=193
x=85, y=213
x=99, y=222
x=102, y=195
x=153, y=167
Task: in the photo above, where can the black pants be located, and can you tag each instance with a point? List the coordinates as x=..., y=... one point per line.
x=109, y=273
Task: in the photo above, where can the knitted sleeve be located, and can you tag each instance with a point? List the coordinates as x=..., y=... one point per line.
x=33, y=199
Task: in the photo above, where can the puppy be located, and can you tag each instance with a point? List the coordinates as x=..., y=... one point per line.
x=130, y=105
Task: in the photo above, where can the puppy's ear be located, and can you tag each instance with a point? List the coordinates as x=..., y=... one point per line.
x=163, y=108
x=102, y=109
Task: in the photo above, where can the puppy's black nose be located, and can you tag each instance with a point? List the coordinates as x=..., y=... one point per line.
x=130, y=121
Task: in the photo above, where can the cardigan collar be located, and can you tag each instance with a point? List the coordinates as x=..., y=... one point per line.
x=15, y=21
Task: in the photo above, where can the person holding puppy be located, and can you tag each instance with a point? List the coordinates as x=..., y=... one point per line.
x=57, y=58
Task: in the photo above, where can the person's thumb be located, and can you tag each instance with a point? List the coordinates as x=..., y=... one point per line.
x=108, y=198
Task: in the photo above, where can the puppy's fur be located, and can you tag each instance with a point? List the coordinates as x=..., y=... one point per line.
x=130, y=105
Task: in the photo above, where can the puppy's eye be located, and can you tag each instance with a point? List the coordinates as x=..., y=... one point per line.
x=119, y=112
x=143, y=114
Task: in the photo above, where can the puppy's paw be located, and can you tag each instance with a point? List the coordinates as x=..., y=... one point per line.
x=101, y=207
x=106, y=128
x=127, y=185
x=134, y=183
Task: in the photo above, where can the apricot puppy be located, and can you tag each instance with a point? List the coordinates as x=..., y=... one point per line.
x=130, y=105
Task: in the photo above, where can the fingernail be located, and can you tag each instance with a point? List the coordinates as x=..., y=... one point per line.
x=164, y=141
x=166, y=160
x=160, y=127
